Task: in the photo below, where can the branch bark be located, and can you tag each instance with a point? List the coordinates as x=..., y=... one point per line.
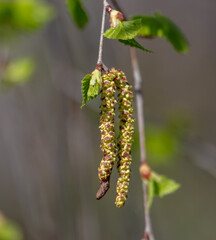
x=148, y=234
x=99, y=61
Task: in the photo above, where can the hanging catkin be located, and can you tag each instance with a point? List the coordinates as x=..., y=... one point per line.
x=125, y=137
x=107, y=132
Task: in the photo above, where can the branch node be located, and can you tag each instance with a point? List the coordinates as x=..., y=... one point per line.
x=99, y=67
x=146, y=236
x=108, y=8
x=138, y=91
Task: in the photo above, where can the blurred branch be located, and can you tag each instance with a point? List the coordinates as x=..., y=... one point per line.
x=139, y=101
x=148, y=234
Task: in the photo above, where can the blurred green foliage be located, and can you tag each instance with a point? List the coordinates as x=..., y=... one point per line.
x=20, y=16
x=161, y=26
x=164, y=141
x=17, y=72
x=9, y=230
x=162, y=145
x=78, y=13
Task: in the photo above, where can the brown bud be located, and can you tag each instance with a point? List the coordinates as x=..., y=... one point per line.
x=108, y=8
x=145, y=171
x=115, y=18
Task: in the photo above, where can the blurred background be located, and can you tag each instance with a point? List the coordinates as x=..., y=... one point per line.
x=49, y=147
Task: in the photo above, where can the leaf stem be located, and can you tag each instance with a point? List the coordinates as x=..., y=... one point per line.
x=99, y=61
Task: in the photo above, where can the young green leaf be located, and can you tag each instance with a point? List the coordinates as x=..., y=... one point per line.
x=133, y=43
x=85, y=87
x=159, y=185
x=161, y=26
x=164, y=185
x=91, y=85
x=151, y=192
x=94, y=90
x=124, y=30
x=78, y=13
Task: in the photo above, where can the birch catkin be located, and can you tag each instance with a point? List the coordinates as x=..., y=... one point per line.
x=125, y=137
x=107, y=132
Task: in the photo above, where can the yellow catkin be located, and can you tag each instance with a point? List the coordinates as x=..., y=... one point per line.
x=125, y=137
x=107, y=127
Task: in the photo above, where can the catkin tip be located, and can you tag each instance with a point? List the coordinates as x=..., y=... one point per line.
x=104, y=187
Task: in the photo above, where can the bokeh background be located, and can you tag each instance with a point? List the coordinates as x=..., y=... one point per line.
x=49, y=147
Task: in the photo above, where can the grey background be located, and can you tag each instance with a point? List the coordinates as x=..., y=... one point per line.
x=49, y=148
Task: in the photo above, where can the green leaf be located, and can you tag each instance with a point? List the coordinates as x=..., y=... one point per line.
x=78, y=13
x=159, y=185
x=161, y=26
x=93, y=90
x=172, y=33
x=149, y=26
x=151, y=191
x=18, y=71
x=165, y=185
x=133, y=43
x=85, y=87
x=91, y=85
x=124, y=30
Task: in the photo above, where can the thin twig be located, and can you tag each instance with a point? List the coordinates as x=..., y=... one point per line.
x=148, y=234
x=104, y=186
x=99, y=61
x=139, y=101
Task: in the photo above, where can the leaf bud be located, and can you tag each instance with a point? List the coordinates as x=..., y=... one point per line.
x=145, y=171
